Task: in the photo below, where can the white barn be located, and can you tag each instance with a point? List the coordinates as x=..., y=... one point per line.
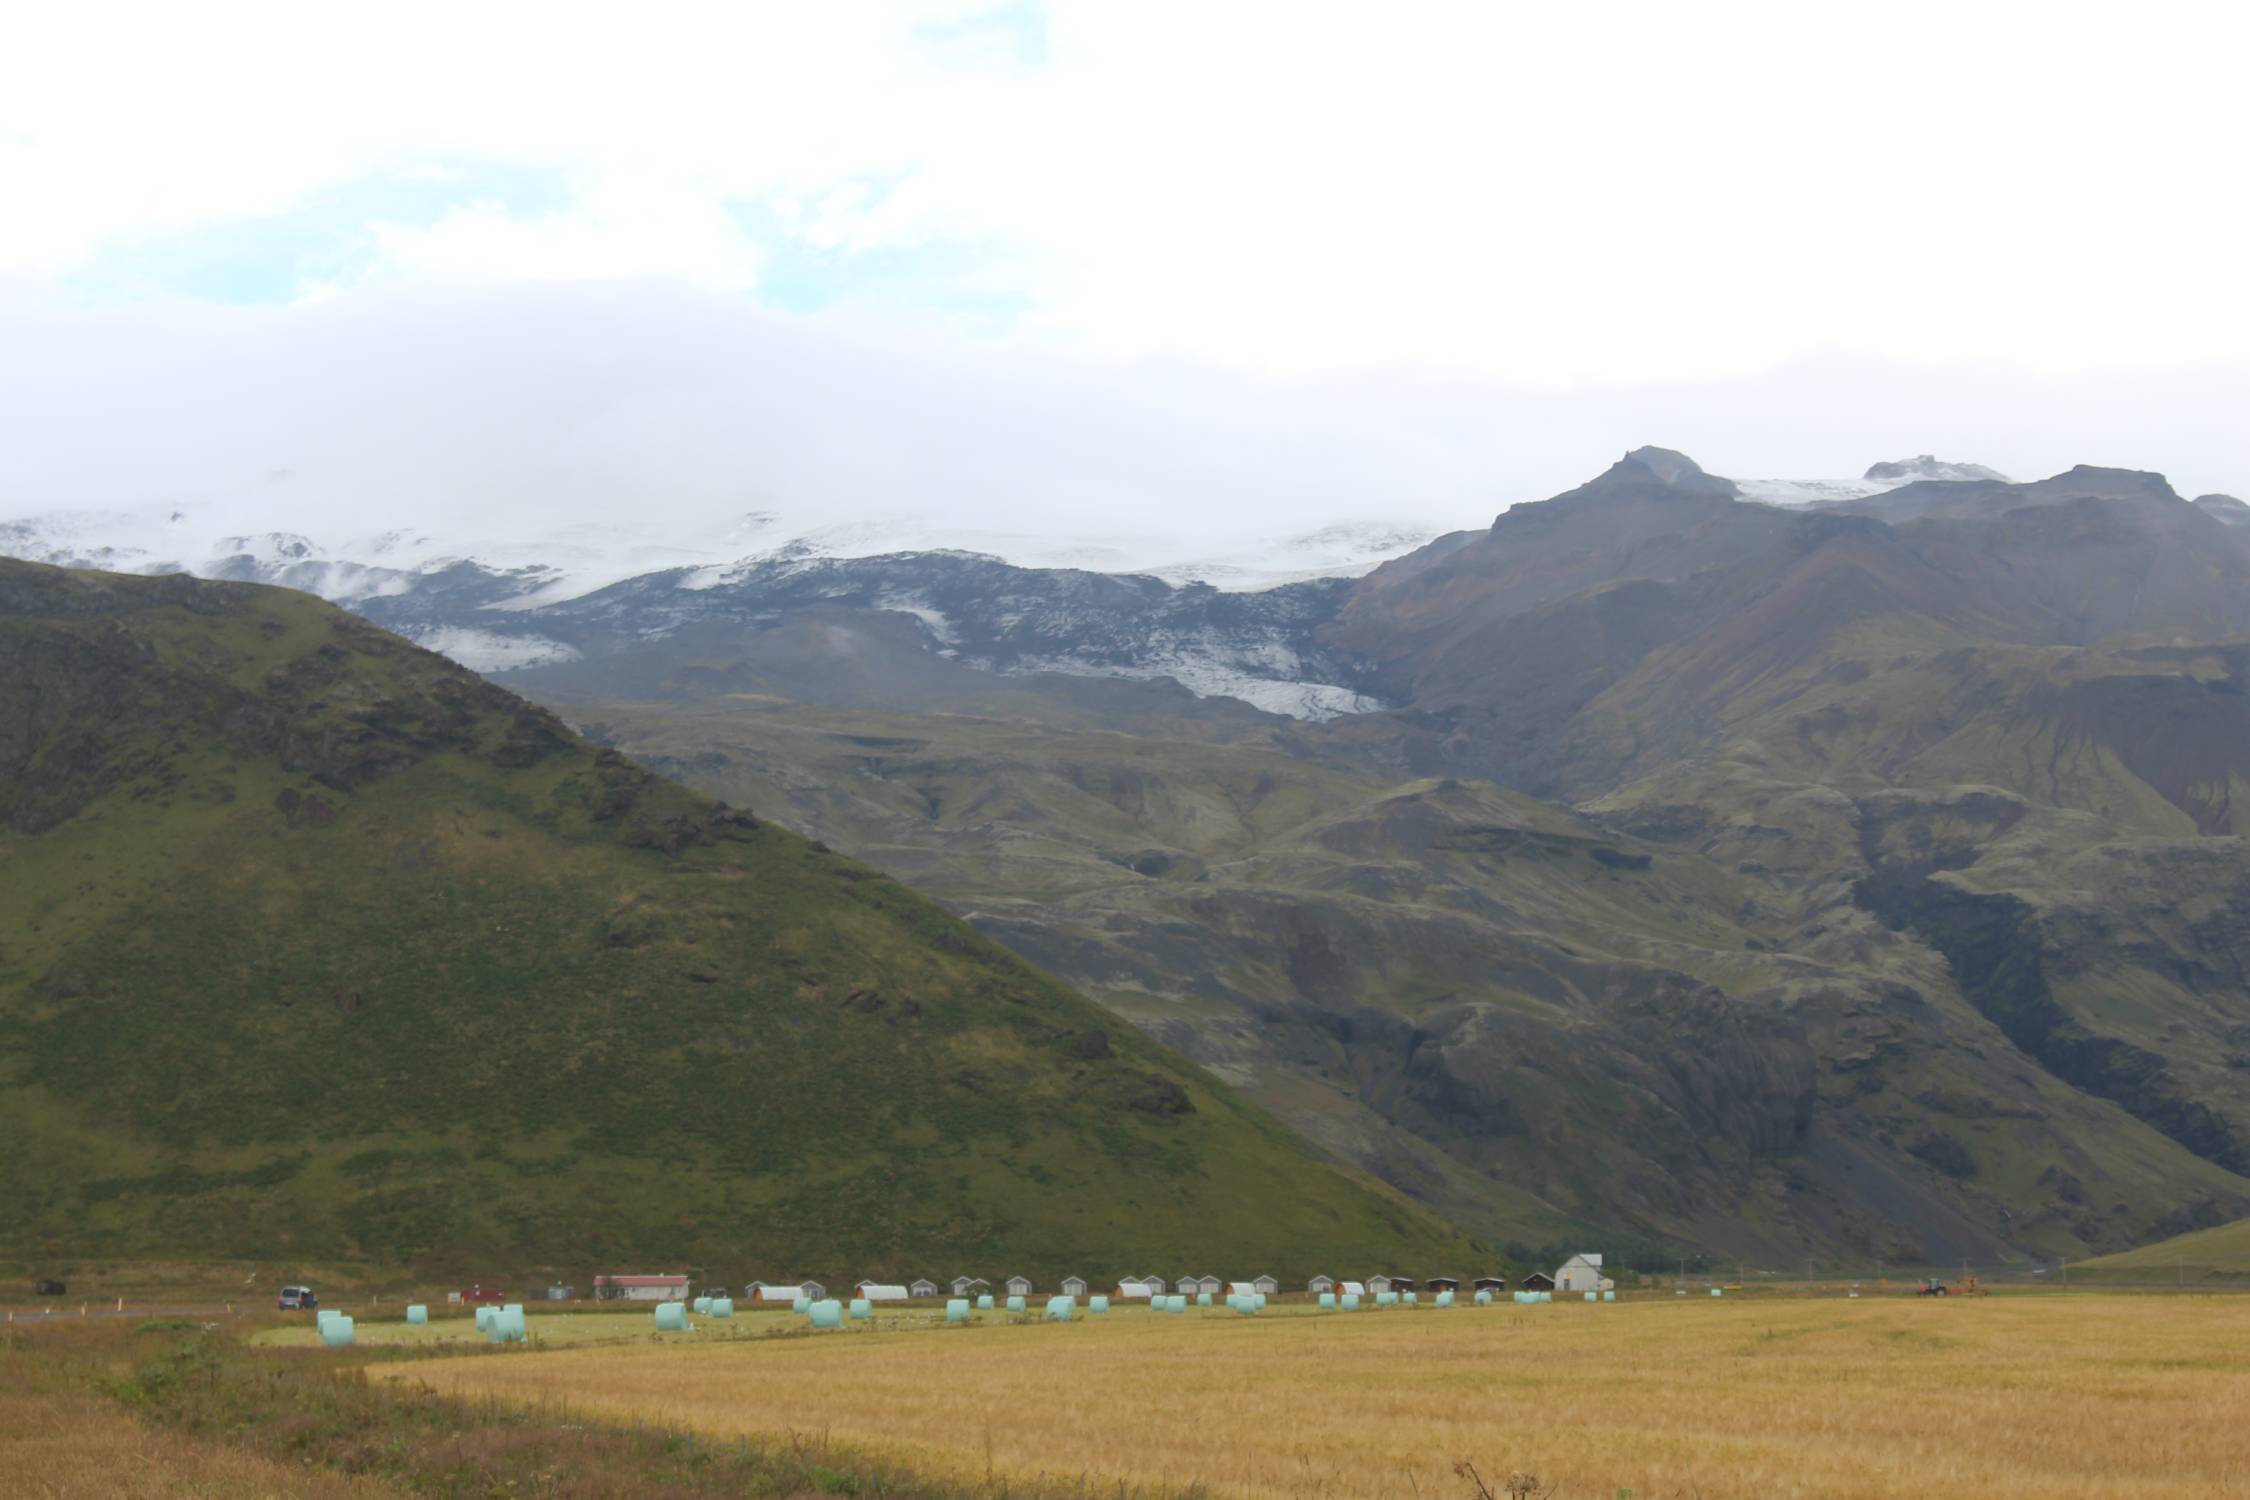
x=1583, y=1273
x=1321, y=1284
x=969, y=1286
x=924, y=1288
x=1074, y=1286
x=1141, y=1286
x=1019, y=1286
x=878, y=1291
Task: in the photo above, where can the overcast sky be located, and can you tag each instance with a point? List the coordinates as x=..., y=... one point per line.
x=1061, y=261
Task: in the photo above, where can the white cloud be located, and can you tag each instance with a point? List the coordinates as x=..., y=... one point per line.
x=1549, y=193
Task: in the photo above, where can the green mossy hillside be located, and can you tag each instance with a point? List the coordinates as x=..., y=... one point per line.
x=312, y=943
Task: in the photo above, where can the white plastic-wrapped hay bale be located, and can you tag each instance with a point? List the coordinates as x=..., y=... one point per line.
x=1484, y=1296
x=1386, y=1299
x=1408, y=1299
x=1611, y=1296
x=957, y=1310
x=1061, y=1309
x=1202, y=1299
x=1349, y=1302
x=338, y=1332
x=701, y=1305
x=507, y=1326
x=1097, y=1303
x=1259, y=1299
x=1328, y=1299
x=484, y=1318
x=1442, y=1299
x=1593, y=1297
x=721, y=1307
x=1178, y=1303
x=417, y=1314
x=984, y=1302
x=862, y=1310
x=826, y=1313
x=671, y=1317
x=1715, y=1292
x=1015, y=1304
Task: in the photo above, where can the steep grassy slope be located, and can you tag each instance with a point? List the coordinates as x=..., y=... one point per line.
x=2200, y=1256
x=1526, y=1018
x=311, y=942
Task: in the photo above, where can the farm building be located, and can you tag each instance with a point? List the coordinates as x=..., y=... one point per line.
x=1492, y=1283
x=1582, y=1273
x=1210, y=1284
x=784, y=1292
x=1445, y=1283
x=1265, y=1286
x=1141, y=1286
x=1074, y=1286
x=1155, y=1285
x=1403, y=1283
x=1321, y=1284
x=969, y=1286
x=1539, y=1281
x=924, y=1288
x=880, y=1291
x=1352, y=1288
x=1019, y=1286
x=641, y=1288
x=1378, y=1284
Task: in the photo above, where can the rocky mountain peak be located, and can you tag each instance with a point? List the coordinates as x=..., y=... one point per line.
x=2225, y=508
x=1665, y=468
x=1925, y=466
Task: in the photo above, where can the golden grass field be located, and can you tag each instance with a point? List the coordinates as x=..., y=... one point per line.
x=2060, y=1397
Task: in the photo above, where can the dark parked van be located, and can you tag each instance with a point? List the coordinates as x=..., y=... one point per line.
x=297, y=1298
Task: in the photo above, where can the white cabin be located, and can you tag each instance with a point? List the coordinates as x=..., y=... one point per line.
x=1583, y=1273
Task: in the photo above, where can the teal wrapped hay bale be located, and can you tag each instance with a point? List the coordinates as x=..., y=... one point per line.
x=701, y=1305
x=507, y=1326
x=800, y=1304
x=826, y=1313
x=1442, y=1299
x=1097, y=1303
x=338, y=1331
x=1409, y=1298
x=957, y=1310
x=721, y=1307
x=1061, y=1309
x=671, y=1317
x=862, y=1309
x=1591, y=1297
x=417, y=1314
x=1715, y=1292
x=1386, y=1299
x=1350, y=1302
x=1259, y=1298
x=1202, y=1299
x=484, y=1318
x=1015, y=1304
x=1178, y=1303
x=984, y=1303
x=1484, y=1297
x=1609, y=1296
x=1327, y=1299
x=1546, y=1296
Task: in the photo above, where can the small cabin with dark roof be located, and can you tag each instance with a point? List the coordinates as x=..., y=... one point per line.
x=1320, y=1284
x=1492, y=1283
x=1538, y=1281
x=1444, y=1283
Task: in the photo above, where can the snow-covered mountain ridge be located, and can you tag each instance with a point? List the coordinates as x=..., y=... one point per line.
x=1234, y=615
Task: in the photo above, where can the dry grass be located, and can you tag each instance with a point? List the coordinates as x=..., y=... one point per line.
x=73, y=1445
x=2064, y=1398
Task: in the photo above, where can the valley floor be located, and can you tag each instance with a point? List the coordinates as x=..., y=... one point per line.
x=2087, y=1395
x=1774, y=1397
